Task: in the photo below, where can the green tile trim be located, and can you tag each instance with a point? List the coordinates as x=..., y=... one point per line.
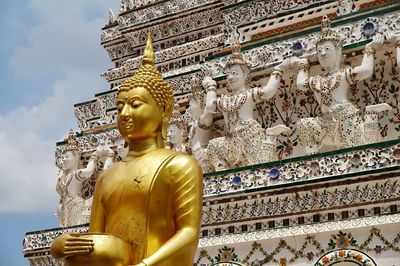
x=388, y=170
x=306, y=157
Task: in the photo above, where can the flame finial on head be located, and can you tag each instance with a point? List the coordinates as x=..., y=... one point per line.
x=237, y=56
x=151, y=79
x=72, y=143
x=328, y=34
x=326, y=22
x=148, y=55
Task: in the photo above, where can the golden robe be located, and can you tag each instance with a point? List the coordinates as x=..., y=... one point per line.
x=154, y=202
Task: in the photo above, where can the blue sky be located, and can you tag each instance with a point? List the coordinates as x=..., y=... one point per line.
x=50, y=59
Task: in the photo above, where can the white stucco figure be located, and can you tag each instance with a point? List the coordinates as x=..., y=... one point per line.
x=177, y=132
x=114, y=153
x=345, y=7
x=396, y=39
x=199, y=134
x=245, y=142
x=398, y=51
x=340, y=124
x=72, y=209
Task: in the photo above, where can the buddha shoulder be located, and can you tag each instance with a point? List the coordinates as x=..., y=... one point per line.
x=181, y=162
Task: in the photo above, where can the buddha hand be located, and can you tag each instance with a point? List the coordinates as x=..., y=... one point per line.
x=70, y=245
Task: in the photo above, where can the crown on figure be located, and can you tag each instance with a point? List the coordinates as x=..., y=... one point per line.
x=72, y=143
x=237, y=56
x=328, y=34
x=151, y=79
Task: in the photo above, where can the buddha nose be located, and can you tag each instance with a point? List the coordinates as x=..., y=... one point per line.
x=125, y=113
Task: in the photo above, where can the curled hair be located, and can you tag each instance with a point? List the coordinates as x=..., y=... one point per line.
x=150, y=79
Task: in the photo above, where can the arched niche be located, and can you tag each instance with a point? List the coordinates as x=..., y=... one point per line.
x=345, y=257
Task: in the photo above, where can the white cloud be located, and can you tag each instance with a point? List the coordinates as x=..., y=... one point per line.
x=67, y=37
x=64, y=44
x=27, y=140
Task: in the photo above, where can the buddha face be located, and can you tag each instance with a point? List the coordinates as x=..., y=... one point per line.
x=236, y=77
x=328, y=55
x=139, y=117
x=71, y=160
x=175, y=135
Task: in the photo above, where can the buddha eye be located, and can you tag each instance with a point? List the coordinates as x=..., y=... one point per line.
x=136, y=105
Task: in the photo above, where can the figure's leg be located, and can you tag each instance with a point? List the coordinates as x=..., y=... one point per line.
x=252, y=139
x=202, y=157
x=372, y=128
x=351, y=130
x=310, y=134
x=268, y=147
x=215, y=155
x=60, y=214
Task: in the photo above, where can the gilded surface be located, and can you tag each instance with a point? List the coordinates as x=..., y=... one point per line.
x=152, y=199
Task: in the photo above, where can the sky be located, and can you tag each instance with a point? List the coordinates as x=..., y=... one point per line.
x=50, y=59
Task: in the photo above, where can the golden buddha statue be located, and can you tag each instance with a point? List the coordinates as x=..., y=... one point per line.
x=146, y=209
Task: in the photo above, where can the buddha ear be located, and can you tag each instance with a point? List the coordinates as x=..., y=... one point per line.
x=164, y=127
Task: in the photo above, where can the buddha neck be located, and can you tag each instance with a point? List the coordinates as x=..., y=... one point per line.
x=138, y=148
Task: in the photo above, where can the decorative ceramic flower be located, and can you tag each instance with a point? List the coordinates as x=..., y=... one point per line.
x=325, y=260
x=342, y=253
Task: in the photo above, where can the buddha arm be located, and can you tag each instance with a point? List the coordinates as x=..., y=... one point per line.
x=187, y=189
x=97, y=222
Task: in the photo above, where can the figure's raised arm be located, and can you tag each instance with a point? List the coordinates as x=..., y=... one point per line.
x=211, y=101
x=303, y=67
x=398, y=51
x=109, y=159
x=366, y=69
x=268, y=91
x=396, y=39
x=91, y=167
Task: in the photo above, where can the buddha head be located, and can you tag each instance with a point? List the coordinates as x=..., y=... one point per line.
x=144, y=102
x=329, y=46
x=237, y=69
